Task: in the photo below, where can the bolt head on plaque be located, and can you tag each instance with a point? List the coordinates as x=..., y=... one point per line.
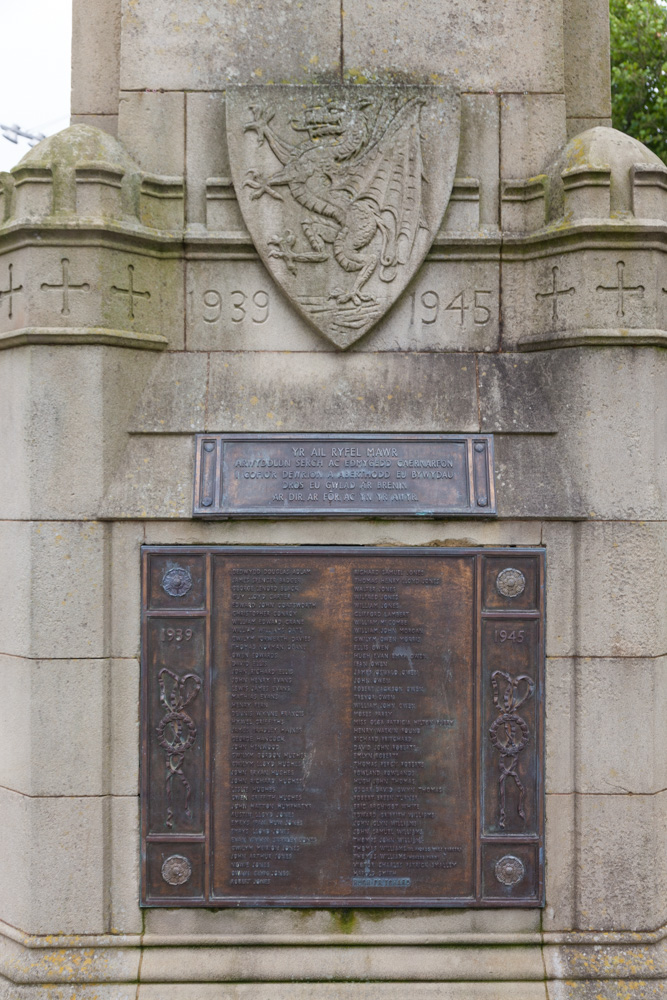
x=343, y=189
x=510, y=870
x=176, y=870
x=177, y=581
x=510, y=582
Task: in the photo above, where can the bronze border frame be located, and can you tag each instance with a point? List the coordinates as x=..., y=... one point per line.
x=312, y=902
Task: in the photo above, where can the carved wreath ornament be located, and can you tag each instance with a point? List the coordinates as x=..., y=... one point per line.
x=509, y=734
x=176, y=733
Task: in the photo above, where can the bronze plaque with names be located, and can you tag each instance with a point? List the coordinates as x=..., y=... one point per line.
x=344, y=475
x=334, y=726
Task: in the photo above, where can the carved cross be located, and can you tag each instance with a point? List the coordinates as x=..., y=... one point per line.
x=621, y=289
x=66, y=286
x=10, y=292
x=130, y=291
x=554, y=293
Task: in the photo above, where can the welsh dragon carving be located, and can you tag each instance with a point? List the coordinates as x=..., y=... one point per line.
x=358, y=177
x=351, y=193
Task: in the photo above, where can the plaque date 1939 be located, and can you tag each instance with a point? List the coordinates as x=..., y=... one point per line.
x=342, y=727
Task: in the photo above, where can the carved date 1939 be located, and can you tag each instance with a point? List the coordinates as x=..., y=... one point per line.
x=237, y=307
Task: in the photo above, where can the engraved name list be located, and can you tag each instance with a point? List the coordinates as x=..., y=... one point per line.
x=332, y=726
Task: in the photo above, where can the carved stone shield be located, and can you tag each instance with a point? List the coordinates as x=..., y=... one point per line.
x=343, y=189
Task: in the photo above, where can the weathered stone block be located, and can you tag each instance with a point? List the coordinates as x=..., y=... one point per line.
x=125, y=587
x=479, y=152
x=123, y=739
x=584, y=962
x=389, y=533
x=600, y=403
x=15, y=601
x=649, y=191
x=61, y=443
x=152, y=127
x=256, y=43
x=620, y=598
x=33, y=191
x=73, y=295
x=175, y=398
x=65, y=967
x=162, y=202
x=587, y=192
x=450, y=305
x=584, y=296
x=206, y=153
x=57, y=708
x=6, y=196
x=620, y=847
x=222, y=210
x=98, y=191
x=116, y=991
x=607, y=989
x=14, y=420
x=341, y=991
x=575, y=126
x=604, y=592
x=125, y=915
x=68, y=727
x=523, y=204
x=15, y=883
x=153, y=479
x=560, y=726
x=560, y=540
x=619, y=731
x=236, y=306
x=475, y=43
x=95, y=57
x=411, y=924
x=338, y=962
x=67, y=605
x=286, y=392
x=560, y=909
x=107, y=123
x=514, y=394
x=532, y=129
x=53, y=867
x=15, y=714
x=462, y=213
x=587, y=74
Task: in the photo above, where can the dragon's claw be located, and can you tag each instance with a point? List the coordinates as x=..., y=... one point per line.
x=357, y=298
x=281, y=248
x=261, y=119
x=260, y=185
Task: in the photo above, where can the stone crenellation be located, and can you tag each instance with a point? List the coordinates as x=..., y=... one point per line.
x=601, y=206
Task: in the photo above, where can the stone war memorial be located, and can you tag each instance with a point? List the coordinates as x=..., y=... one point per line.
x=333, y=633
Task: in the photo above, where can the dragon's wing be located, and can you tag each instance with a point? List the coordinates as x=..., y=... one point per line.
x=388, y=174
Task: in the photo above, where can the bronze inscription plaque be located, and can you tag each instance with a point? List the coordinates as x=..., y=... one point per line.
x=342, y=727
x=306, y=475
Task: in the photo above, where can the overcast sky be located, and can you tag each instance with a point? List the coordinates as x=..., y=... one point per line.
x=34, y=70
